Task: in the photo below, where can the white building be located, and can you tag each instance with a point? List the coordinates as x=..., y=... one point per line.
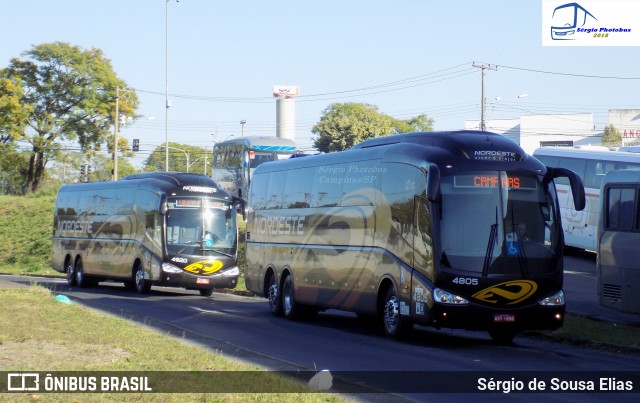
x=627, y=121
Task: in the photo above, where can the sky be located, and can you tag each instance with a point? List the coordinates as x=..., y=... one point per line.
x=221, y=59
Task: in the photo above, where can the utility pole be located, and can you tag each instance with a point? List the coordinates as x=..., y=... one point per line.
x=114, y=175
x=205, y=160
x=484, y=68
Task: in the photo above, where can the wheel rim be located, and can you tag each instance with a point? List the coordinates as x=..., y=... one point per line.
x=273, y=293
x=71, y=273
x=139, y=279
x=391, y=314
x=287, y=297
x=79, y=274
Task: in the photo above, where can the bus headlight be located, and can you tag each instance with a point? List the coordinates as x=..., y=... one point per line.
x=169, y=268
x=556, y=299
x=233, y=272
x=445, y=297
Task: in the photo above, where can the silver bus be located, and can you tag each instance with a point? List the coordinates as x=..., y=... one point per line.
x=448, y=229
x=169, y=229
x=234, y=160
x=618, y=259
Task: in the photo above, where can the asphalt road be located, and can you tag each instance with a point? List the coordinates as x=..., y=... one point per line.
x=242, y=327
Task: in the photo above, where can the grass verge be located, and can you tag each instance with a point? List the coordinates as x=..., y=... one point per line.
x=594, y=334
x=53, y=336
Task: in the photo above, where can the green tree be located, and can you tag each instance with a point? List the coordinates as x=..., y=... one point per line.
x=611, y=137
x=69, y=95
x=67, y=167
x=13, y=114
x=343, y=125
x=13, y=166
x=178, y=159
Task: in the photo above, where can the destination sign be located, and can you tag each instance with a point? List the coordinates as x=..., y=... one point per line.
x=197, y=202
x=492, y=181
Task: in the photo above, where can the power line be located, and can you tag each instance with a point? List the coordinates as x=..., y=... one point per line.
x=569, y=74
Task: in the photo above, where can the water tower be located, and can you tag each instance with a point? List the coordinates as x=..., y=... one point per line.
x=285, y=96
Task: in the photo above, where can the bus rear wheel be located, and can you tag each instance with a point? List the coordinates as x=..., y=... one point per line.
x=81, y=279
x=70, y=268
x=289, y=306
x=142, y=285
x=394, y=326
x=274, y=297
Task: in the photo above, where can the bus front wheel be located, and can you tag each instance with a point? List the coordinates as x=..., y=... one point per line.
x=206, y=292
x=503, y=336
x=142, y=285
x=394, y=326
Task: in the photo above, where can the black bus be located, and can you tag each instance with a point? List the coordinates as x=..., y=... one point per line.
x=170, y=229
x=449, y=229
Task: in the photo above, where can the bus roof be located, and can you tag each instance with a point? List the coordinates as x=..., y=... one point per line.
x=452, y=141
x=458, y=150
x=586, y=153
x=263, y=143
x=172, y=183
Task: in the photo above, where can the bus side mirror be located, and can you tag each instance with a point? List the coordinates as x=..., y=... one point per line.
x=577, y=187
x=241, y=206
x=163, y=205
x=433, y=183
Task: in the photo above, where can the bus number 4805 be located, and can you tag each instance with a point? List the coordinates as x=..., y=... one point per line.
x=465, y=281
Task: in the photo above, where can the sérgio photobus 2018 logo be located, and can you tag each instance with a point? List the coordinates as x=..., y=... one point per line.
x=593, y=21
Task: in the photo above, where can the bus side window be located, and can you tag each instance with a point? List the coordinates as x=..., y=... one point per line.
x=620, y=203
x=297, y=188
x=259, y=186
x=275, y=188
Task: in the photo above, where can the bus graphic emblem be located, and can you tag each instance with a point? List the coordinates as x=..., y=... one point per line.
x=204, y=267
x=513, y=291
x=570, y=19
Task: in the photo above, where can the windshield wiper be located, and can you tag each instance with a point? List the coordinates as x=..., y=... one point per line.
x=493, y=234
x=216, y=251
x=189, y=243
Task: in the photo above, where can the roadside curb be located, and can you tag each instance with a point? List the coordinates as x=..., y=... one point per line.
x=11, y=284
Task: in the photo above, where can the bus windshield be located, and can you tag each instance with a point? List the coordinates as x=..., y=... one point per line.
x=257, y=158
x=200, y=227
x=498, y=222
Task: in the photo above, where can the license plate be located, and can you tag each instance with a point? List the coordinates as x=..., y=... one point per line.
x=504, y=317
x=202, y=281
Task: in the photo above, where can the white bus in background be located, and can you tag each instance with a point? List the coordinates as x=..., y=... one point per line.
x=617, y=264
x=580, y=227
x=234, y=160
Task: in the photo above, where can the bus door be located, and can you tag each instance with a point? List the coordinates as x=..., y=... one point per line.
x=422, y=256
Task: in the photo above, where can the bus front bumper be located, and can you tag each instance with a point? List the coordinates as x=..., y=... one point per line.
x=225, y=279
x=477, y=317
